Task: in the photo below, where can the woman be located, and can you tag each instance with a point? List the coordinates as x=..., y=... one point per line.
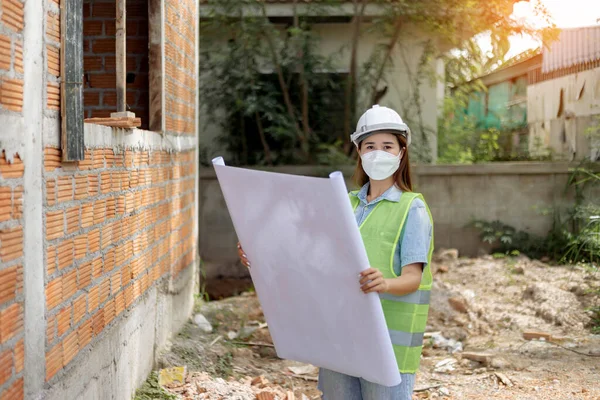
x=397, y=230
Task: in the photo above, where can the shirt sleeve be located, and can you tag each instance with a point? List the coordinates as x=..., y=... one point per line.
x=416, y=240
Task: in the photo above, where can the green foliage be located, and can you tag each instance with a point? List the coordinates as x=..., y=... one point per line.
x=595, y=322
x=151, y=390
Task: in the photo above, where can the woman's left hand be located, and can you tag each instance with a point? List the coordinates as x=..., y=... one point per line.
x=372, y=280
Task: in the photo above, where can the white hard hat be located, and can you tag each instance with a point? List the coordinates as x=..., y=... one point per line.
x=377, y=119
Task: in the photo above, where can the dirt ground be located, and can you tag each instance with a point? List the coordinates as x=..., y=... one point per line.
x=474, y=348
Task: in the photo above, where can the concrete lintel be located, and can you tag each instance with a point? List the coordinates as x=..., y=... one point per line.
x=103, y=136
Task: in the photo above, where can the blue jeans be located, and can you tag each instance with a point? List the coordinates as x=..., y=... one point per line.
x=337, y=386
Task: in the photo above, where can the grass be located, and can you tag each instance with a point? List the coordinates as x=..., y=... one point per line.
x=151, y=390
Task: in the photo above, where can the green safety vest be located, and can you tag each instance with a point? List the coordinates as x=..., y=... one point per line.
x=405, y=316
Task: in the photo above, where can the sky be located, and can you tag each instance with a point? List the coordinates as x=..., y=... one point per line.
x=564, y=13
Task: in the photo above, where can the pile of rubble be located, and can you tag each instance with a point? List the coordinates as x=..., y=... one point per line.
x=201, y=385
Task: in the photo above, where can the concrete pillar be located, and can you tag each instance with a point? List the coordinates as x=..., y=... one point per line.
x=33, y=275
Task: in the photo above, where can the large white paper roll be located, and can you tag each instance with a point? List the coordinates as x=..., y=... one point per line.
x=306, y=251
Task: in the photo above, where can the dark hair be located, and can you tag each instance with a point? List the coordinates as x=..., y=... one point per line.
x=401, y=176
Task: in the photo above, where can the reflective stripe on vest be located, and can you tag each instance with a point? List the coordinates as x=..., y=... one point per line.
x=406, y=316
x=418, y=297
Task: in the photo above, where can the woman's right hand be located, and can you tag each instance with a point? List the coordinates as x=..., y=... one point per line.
x=242, y=256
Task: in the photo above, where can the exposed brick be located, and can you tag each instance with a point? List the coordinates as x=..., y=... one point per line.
x=107, y=238
x=87, y=215
x=6, y=361
x=79, y=309
x=103, y=9
x=84, y=275
x=65, y=254
x=70, y=347
x=103, y=80
x=92, y=28
x=54, y=361
x=86, y=163
x=65, y=188
x=52, y=158
x=109, y=98
x=94, y=240
x=97, y=267
x=53, y=92
x=51, y=192
x=53, y=27
x=50, y=328
x=11, y=94
x=10, y=278
x=92, y=64
x=109, y=260
x=93, y=299
x=5, y=52
x=85, y=333
x=14, y=392
x=100, y=46
x=12, y=14
x=104, y=290
x=53, y=60
x=131, y=65
x=81, y=243
x=54, y=293
x=17, y=205
x=19, y=356
x=69, y=283
x=11, y=322
x=55, y=224
x=119, y=303
x=11, y=244
x=98, y=322
x=109, y=311
x=73, y=221
x=129, y=298
x=99, y=214
x=81, y=187
x=63, y=319
x=5, y=203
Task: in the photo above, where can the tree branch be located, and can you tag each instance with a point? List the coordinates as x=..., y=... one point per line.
x=284, y=87
x=387, y=57
x=349, y=102
x=303, y=83
x=263, y=139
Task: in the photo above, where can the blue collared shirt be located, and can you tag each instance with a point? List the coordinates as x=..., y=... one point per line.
x=413, y=246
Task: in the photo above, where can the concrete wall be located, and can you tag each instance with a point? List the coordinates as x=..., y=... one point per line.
x=513, y=193
x=400, y=79
x=559, y=112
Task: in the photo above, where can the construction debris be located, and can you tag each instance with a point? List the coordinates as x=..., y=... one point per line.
x=203, y=386
x=169, y=376
x=502, y=309
x=532, y=335
x=202, y=323
x=483, y=358
x=504, y=379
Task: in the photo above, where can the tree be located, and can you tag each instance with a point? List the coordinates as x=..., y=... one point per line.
x=284, y=112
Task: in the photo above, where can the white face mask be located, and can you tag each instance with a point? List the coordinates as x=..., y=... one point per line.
x=380, y=165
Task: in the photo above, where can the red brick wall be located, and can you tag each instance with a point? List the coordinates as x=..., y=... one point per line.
x=180, y=71
x=100, y=96
x=11, y=279
x=115, y=223
x=11, y=55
